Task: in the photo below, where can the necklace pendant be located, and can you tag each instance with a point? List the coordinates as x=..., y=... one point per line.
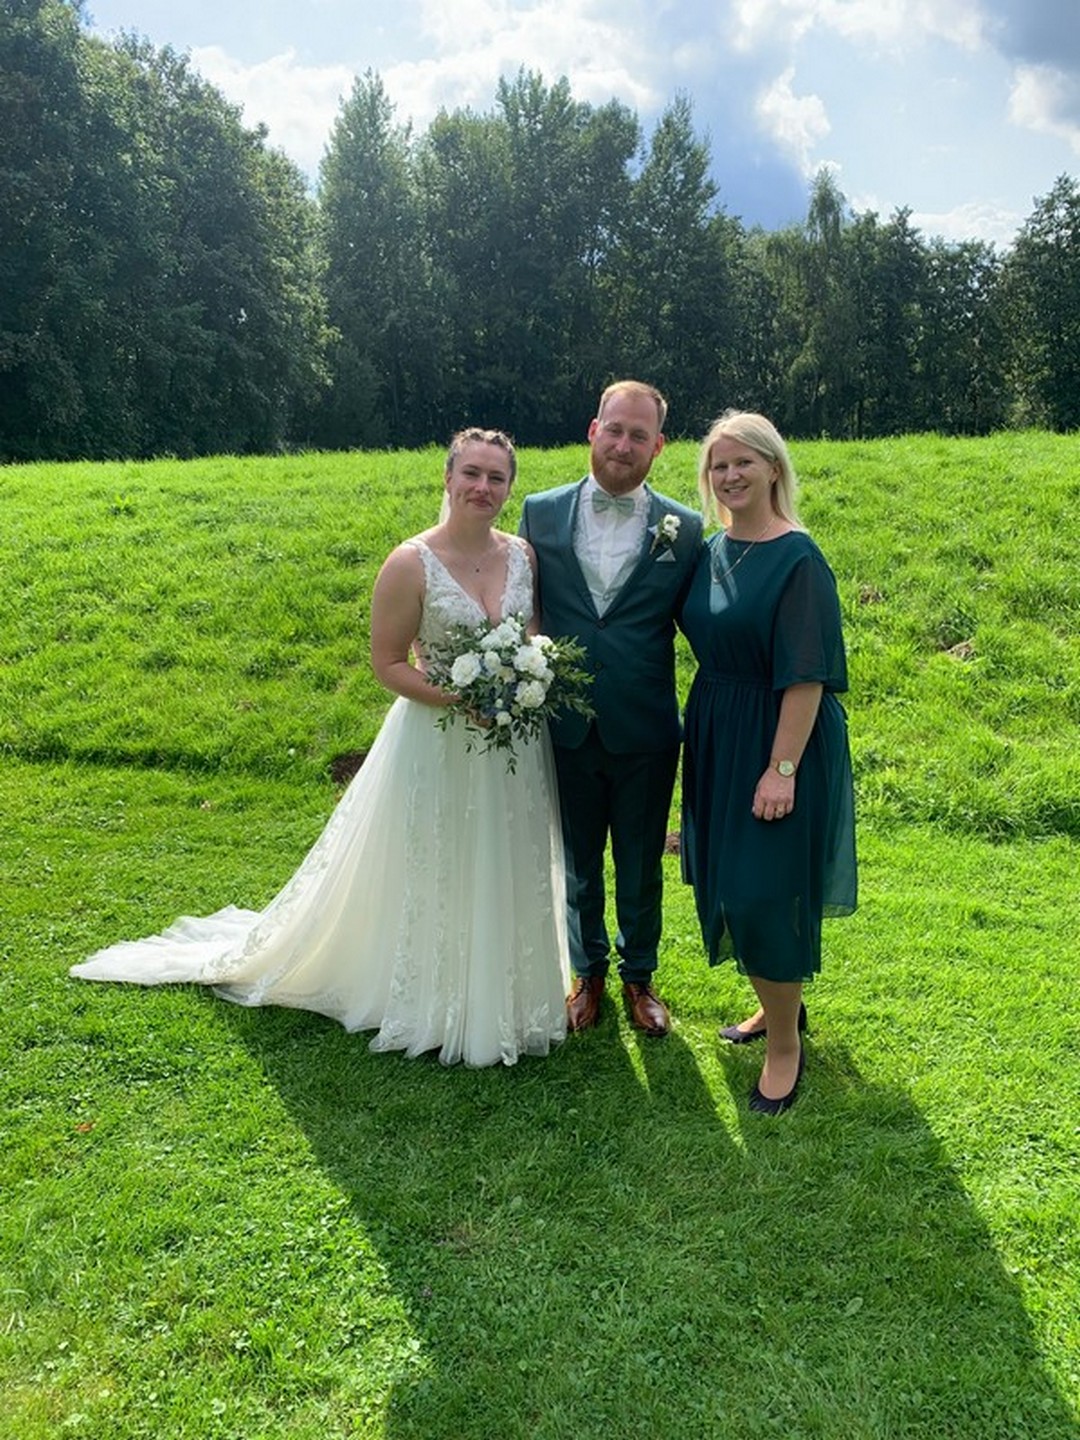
x=748, y=546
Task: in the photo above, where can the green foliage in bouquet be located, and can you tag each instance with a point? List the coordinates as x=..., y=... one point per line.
x=508, y=683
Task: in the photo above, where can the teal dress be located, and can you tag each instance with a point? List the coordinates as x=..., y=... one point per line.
x=761, y=617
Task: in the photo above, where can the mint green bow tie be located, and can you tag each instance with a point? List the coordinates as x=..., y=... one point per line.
x=624, y=504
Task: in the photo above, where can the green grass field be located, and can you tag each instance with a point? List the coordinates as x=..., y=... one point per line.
x=219, y=1222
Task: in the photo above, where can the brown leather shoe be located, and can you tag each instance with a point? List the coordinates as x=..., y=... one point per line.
x=583, y=1002
x=647, y=1011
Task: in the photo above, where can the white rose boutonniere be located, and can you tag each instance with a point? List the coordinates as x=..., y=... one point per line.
x=665, y=534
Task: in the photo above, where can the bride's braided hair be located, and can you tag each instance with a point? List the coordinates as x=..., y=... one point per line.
x=486, y=437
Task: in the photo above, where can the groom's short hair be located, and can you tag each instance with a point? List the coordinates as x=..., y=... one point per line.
x=635, y=387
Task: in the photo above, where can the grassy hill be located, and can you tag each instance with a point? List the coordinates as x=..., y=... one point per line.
x=212, y=615
x=222, y=1222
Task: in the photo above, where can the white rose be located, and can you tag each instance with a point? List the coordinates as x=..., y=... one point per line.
x=530, y=661
x=503, y=717
x=506, y=633
x=530, y=694
x=465, y=669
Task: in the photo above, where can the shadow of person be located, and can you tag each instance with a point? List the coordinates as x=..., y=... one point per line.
x=605, y=1243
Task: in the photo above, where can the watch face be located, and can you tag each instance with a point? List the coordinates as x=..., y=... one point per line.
x=785, y=767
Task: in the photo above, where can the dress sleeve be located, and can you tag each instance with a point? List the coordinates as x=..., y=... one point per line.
x=808, y=642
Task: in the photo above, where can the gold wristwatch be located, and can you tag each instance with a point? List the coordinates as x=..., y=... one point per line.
x=784, y=767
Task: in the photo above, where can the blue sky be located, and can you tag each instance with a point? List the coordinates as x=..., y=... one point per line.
x=963, y=111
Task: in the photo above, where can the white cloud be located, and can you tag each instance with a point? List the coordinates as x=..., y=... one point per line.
x=977, y=220
x=475, y=43
x=1046, y=99
x=297, y=103
x=989, y=221
x=795, y=122
x=895, y=24
x=479, y=41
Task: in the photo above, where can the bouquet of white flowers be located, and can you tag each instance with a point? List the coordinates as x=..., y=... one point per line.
x=507, y=683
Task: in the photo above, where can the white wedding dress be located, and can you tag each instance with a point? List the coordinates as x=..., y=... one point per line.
x=431, y=908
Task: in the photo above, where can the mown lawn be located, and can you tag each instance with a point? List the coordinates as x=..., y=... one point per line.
x=222, y=1222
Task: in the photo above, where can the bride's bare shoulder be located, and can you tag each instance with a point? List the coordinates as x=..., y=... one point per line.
x=403, y=567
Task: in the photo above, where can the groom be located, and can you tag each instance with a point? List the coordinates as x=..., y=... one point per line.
x=614, y=559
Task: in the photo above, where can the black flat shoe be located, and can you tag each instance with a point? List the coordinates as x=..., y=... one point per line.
x=764, y=1106
x=735, y=1036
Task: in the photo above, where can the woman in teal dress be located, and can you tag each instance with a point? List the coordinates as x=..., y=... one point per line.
x=768, y=832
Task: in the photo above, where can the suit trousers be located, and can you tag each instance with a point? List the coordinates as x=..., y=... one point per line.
x=626, y=797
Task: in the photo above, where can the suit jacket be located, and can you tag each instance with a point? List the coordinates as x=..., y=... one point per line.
x=630, y=649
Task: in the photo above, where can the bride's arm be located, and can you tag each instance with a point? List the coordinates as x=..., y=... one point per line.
x=396, y=604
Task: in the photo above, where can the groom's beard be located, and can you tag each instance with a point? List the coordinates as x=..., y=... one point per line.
x=618, y=475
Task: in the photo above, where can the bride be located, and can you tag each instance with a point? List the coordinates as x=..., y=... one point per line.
x=431, y=909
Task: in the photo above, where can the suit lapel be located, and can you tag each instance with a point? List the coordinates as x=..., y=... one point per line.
x=568, y=524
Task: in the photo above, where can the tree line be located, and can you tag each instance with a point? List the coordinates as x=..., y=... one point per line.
x=169, y=284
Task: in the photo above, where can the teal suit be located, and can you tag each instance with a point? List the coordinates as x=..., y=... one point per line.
x=616, y=772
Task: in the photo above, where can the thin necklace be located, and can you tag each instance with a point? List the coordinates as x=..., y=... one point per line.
x=469, y=563
x=719, y=579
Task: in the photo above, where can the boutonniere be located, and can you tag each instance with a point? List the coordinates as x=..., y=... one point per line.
x=664, y=534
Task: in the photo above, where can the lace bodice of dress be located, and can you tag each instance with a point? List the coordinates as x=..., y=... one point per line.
x=446, y=604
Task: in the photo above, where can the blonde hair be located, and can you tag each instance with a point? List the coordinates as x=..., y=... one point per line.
x=639, y=389
x=758, y=434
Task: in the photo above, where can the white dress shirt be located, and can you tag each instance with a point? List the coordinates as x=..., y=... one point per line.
x=607, y=543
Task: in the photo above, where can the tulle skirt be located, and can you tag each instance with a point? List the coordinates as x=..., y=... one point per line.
x=431, y=909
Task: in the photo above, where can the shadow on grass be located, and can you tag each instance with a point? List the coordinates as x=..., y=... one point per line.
x=606, y=1243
